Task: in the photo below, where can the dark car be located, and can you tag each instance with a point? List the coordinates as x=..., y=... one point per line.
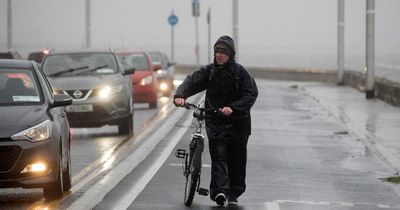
x=10, y=54
x=35, y=137
x=100, y=88
x=38, y=55
x=165, y=75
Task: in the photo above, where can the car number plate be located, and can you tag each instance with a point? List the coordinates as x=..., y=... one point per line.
x=80, y=108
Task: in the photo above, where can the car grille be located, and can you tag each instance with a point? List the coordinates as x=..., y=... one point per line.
x=8, y=156
x=83, y=94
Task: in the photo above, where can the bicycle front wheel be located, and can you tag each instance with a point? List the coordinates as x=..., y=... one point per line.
x=192, y=178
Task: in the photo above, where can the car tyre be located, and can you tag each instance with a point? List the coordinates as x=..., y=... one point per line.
x=55, y=189
x=153, y=105
x=67, y=173
x=125, y=127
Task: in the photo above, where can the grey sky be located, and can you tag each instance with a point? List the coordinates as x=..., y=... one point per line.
x=268, y=29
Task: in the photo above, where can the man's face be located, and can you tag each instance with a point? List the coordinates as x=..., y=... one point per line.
x=221, y=58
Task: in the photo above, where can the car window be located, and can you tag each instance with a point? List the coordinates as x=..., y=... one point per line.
x=137, y=61
x=80, y=64
x=155, y=57
x=18, y=86
x=6, y=56
x=36, y=56
x=47, y=83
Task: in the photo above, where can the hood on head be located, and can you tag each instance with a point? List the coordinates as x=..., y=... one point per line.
x=227, y=41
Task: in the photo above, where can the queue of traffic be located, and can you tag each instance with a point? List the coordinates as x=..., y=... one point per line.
x=51, y=91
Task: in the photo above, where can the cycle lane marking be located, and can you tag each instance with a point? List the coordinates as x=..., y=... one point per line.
x=96, y=193
x=131, y=195
x=275, y=205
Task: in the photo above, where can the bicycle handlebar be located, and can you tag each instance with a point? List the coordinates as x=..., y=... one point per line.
x=202, y=113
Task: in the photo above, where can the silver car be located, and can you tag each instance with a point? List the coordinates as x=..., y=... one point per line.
x=100, y=88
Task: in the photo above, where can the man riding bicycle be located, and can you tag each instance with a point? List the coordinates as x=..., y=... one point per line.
x=231, y=89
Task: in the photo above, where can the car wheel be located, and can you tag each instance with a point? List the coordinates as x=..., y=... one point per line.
x=125, y=127
x=55, y=189
x=153, y=105
x=67, y=172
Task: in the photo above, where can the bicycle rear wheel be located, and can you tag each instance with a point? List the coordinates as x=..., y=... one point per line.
x=192, y=178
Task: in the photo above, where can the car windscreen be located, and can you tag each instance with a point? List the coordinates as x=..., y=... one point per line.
x=18, y=87
x=74, y=64
x=155, y=57
x=6, y=56
x=137, y=61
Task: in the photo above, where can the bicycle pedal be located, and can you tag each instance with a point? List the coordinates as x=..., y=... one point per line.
x=180, y=153
x=203, y=191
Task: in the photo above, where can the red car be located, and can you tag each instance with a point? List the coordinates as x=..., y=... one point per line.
x=144, y=80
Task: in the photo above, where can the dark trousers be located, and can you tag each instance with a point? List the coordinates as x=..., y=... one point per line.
x=228, y=166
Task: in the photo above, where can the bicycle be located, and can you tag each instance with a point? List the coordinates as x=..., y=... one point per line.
x=192, y=164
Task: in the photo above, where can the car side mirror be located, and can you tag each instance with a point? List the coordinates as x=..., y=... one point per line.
x=129, y=71
x=156, y=67
x=62, y=100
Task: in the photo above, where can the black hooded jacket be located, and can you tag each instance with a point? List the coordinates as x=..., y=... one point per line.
x=229, y=85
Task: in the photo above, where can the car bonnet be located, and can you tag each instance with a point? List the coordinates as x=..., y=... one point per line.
x=20, y=118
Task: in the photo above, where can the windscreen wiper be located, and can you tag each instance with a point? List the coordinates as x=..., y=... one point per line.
x=67, y=71
x=92, y=69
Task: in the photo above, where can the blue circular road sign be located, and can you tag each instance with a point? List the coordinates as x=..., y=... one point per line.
x=173, y=19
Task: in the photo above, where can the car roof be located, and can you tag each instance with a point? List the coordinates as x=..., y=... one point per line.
x=55, y=52
x=131, y=52
x=15, y=63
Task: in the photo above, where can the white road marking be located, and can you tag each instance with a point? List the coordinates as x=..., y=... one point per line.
x=180, y=165
x=274, y=205
x=131, y=195
x=96, y=193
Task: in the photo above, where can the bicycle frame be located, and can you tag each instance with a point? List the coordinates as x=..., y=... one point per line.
x=192, y=164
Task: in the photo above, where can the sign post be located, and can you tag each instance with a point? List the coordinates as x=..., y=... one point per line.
x=172, y=20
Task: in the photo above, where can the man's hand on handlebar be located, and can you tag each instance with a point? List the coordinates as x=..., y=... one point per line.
x=179, y=102
x=226, y=110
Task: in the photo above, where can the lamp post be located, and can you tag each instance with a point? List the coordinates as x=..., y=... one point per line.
x=370, y=49
x=9, y=25
x=209, y=34
x=87, y=24
x=196, y=14
x=235, y=31
x=340, y=47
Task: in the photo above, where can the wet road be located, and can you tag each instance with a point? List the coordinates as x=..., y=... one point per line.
x=91, y=149
x=300, y=157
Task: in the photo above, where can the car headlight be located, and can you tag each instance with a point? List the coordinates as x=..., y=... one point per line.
x=164, y=86
x=161, y=73
x=107, y=91
x=146, y=81
x=38, y=132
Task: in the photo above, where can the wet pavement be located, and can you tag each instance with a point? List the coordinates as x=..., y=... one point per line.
x=375, y=122
x=313, y=146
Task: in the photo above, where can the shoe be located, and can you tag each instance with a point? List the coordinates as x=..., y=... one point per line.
x=232, y=201
x=220, y=199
